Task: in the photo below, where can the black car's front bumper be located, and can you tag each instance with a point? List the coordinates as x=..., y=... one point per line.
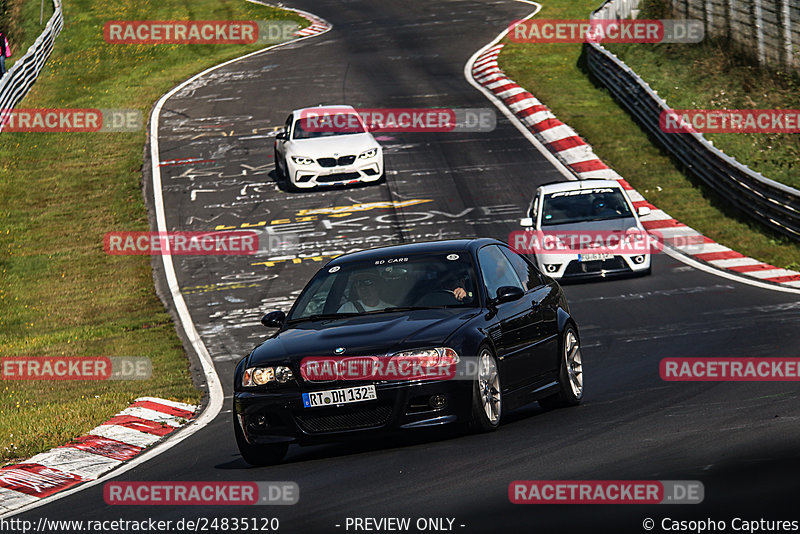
x=278, y=416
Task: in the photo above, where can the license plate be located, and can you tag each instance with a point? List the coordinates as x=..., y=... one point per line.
x=339, y=396
x=594, y=257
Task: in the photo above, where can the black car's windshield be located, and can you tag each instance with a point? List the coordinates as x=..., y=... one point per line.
x=599, y=204
x=327, y=125
x=410, y=282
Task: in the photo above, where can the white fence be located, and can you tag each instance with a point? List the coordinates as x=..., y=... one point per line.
x=16, y=83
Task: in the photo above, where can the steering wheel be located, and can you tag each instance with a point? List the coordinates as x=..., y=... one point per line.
x=434, y=291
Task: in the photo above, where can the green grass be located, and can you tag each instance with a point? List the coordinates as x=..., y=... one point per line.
x=60, y=294
x=556, y=74
x=712, y=76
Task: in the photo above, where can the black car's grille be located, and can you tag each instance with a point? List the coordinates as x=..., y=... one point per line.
x=344, y=418
x=333, y=162
x=339, y=176
x=581, y=267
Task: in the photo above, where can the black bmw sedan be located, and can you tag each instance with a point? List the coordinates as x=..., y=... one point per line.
x=404, y=337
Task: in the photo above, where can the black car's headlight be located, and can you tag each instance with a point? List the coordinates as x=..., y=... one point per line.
x=371, y=153
x=260, y=376
x=440, y=356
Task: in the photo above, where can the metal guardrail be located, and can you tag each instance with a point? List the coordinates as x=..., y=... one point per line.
x=773, y=204
x=16, y=83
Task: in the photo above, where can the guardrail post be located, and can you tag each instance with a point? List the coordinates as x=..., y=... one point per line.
x=788, y=46
x=758, y=16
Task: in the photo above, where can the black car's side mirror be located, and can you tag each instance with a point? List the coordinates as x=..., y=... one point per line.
x=273, y=319
x=508, y=293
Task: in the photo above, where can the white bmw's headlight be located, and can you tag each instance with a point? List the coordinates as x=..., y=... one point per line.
x=302, y=160
x=259, y=376
x=371, y=153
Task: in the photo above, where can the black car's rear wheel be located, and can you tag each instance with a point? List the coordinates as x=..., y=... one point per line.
x=258, y=454
x=570, y=373
x=487, y=401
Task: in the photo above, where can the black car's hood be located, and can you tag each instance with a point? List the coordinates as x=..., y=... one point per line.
x=375, y=334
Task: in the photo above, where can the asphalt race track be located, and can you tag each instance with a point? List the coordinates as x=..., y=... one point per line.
x=216, y=139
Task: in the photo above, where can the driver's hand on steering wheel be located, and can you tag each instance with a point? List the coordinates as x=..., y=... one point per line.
x=459, y=293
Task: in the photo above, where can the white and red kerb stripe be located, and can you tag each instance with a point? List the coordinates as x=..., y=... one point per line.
x=578, y=156
x=318, y=26
x=119, y=439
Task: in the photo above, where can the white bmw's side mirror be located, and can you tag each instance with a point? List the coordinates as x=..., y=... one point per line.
x=527, y=221
x=643, y=210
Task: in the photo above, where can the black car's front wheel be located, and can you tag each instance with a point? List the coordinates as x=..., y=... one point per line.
x=487, y=399
x=570, y=373
x=258, y=455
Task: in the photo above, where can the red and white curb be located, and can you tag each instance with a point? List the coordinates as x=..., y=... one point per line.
x=118, y=440
x=317, y=27
x=577, y=155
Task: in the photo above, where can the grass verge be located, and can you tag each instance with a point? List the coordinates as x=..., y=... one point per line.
x=556, y=74
x=710, y=75
x=60, y=294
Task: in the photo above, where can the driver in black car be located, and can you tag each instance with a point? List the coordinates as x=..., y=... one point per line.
x=458, y=282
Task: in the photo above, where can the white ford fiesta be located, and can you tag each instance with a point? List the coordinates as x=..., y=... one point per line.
x=327, y=145
x=585, y=229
